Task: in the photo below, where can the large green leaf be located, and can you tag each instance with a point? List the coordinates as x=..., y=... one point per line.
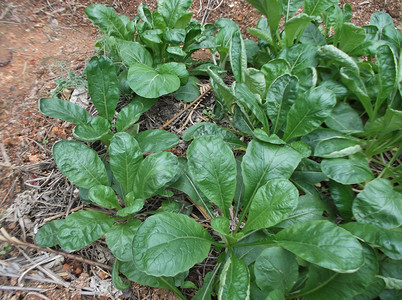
x=379, y=204
x=272, y=9
x=347, y=171
x=173, y=10
x=120, y=238
x=155, y=171
x=308, y=112
x=174, y=68
x=351, y=39
x=290, y=7
x=339, y=146
x=300, y=57
x=234, y=283
x=148, y=83
x=63, y=110
x=98, y=128
x=324, y=244
x=344, y=119
x=104, y=196
x=80, y=164
x=324, y=284
x=312, y=35
x=82, y=228
x=168, y=243
x=238, y=57
x=309, y=171
x=205, y=291
x=133, y=52
x=280, y=97
x=103, y=85
x=388, y=241
x=343, y=197
x=263, y=162
x=316, y=7
x=188, y=92
x=47, y=234
x=211, y=129
x=276, y=268
x=387, y=72
x=213, y=168
x=275, y=68
x=107, y=20
x=125, y=158
x=331, y=53
x=294, y=28
x=272, y=203
x=128, y=115
x=155, y=140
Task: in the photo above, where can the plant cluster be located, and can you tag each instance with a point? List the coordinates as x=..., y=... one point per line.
x=299, y=213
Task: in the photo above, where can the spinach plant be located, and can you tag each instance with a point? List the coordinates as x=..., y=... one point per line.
x=154, y=48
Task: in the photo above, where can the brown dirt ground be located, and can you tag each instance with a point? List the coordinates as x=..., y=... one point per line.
x=42, y=40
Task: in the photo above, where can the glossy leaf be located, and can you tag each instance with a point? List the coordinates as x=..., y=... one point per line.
x=155, y=140
x=238, y=57
x=276, y=268
x=234, y=280
x=98, y=128
x=80, y=164
x=125, y=158
x=169, y=243
x=120, y=238
x=387, y=72
x=103, y=85
x=300, y=57
x=337, y=147
x=312, y=35
x=117, y=281
x=379, y=204
x=351, y=39
x=294, y=28
x=290, y=7
x=213, y=168
x=309, y=112
x=82, y=228
x=388, y=241
x=188, y=92
x=173, y=10
x=343, y=197
x=47, y=234
x=263, y=162
x=178, y=69
x=272, y=203
x=144, y=13
x=275, y=68
x=316, y=7
x=270, y=8
x=155, y=171
x=211, y=129
x=309, y=171
x=133, y=52
x=205, y=291
x=104, y=196
x=148, y=83
x=280, y=97
x=63, y=110
x=135, y=206
x=347, y=171
x=344, y=119
x=129, y=115
x=324, y=244
x=330, y=52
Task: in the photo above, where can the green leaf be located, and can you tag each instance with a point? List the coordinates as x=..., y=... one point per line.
x=275, y=68
x=343, y=197
x=351, y=39
x=226, y=92
x=280, y=97
x=324, y=244
x=120, y=238
x=148, y=83
x=63, y=110
x=255, y=81
x=276, y=268
x=308, y=112
x=107, y=20
x=290, y=7
x=173, y=10
x=238, y=57
x=167, y=244
x=103, y=85
x=132, y=208
x=144, y=13
x=387, y=72
x=47, y=234
x=213, y=168
x=330, y=52
x=188, y=92
x=221, y=225
x=98, y=128
x=178, y=69
x=388, y=241
x=155, y=171
x=82, y=228
x=205, y=292
x=176, y=51
x=211, y=129
x=224, y=36
x=174, y=36
x=263, y=162
x=128, y=115
x=344, y=119
x=372, y=291
x=294, y=28
x=300, y=57
x=234, y=281
x=80, y=164
x=104, y=196
x=337, y=147
x=155, y=140
x=272, y=9
x=125, y=158
x=316, y=7
x=312, y=35
x=117, y=281
x=390, y=273
x=333, y=286
x=381, y=20
x=133, y=52
x=379, y=204
x=309, y=171
x=272, y=203
x=347, y=171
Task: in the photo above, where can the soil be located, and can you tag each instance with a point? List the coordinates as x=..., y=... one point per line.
x=42, y=41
